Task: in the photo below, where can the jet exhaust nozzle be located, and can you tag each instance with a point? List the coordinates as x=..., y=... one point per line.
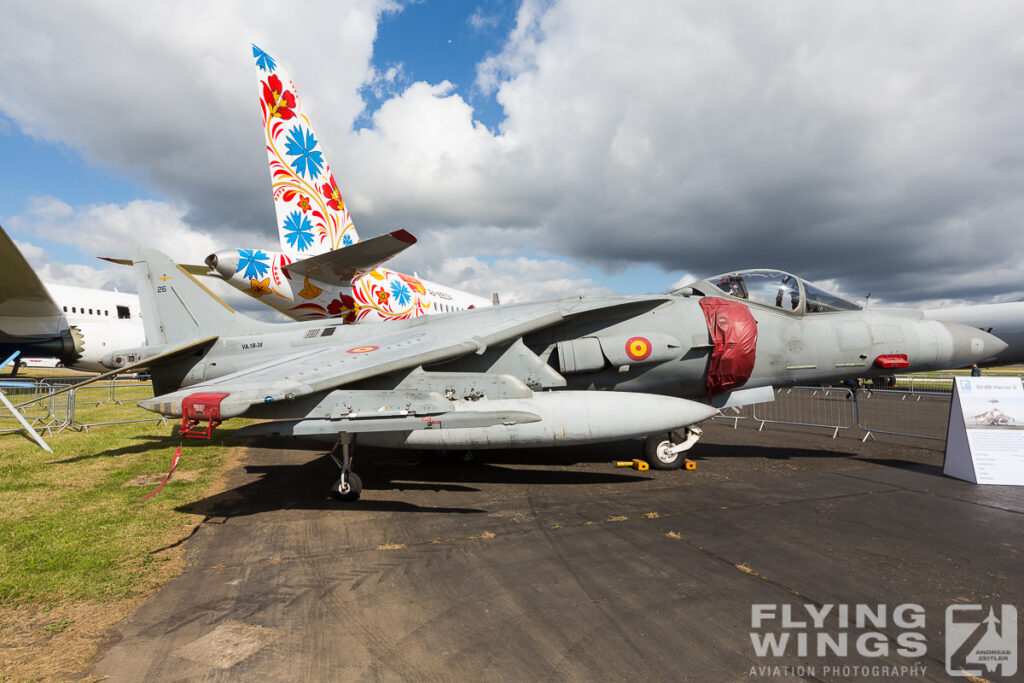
x=224, y=262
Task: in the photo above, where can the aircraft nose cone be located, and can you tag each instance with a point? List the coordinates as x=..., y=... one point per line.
x=224, y=262
x=971, y=345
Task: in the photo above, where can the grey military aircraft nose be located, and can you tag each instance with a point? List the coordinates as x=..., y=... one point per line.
x=969, y=342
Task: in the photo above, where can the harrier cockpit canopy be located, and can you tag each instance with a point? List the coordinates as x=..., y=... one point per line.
x=777, y=289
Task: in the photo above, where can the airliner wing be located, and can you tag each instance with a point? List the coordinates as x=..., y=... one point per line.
x=27, y=311
x=338, y=267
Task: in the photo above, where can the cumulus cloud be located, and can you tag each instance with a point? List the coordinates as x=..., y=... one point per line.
x=517, y=279
x=112, y=230
x=877, y=147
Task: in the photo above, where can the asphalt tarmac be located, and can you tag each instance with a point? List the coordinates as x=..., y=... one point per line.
x=550, y=564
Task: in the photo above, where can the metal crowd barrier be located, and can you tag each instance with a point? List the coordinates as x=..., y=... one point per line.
x=899, y=411
x=45, y=412
x=903, y=413
x=734, y=413
x=826, y=407
x=99, y=395
x=79, y=408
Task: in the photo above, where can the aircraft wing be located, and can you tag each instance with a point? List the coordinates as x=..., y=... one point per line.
x=381, y=350
x=27, y=310
x=341, y=265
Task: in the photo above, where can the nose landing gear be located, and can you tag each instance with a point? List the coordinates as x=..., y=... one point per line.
x=665, y=451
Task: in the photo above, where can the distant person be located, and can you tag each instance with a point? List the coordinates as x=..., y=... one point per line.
x=853, y=386
x=975, y=371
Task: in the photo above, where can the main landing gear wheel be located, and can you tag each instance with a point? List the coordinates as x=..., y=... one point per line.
x=347, y=488
x=349, y=485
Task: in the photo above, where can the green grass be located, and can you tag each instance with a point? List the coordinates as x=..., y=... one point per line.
x=69, y=527
x=58, y=626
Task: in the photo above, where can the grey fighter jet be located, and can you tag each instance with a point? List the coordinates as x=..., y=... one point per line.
x=573, y=371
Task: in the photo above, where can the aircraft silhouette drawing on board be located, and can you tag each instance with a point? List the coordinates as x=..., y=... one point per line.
x=575, y=371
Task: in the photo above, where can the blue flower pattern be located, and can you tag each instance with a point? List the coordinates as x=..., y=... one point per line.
x=264, y=61
x=298, y=231
x=252, y=263
x=400, y=292
x=346, y=241
x=302, y=145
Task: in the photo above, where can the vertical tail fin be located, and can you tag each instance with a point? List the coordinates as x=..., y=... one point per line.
x=176, y=308
x=311, y=215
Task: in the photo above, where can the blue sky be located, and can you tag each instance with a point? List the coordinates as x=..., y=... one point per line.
x=55, y=169
x=439, y=41
x=37, y=167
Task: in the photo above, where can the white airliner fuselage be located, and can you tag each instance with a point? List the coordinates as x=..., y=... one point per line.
x=104, y=321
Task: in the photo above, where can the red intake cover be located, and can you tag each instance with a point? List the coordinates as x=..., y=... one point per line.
x=201, y=407
x=889, y=361
x=734, y=334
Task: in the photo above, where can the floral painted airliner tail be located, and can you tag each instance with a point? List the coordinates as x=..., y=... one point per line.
x=311, y=215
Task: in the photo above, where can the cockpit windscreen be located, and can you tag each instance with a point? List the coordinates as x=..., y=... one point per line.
x=820, y=300
x=781, y=290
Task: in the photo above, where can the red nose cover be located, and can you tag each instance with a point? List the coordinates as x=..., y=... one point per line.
x=734, y=334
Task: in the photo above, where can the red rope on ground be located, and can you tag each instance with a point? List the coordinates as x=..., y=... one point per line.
x=174, y=463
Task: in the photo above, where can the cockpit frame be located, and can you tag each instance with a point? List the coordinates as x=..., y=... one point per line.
x=774, y=289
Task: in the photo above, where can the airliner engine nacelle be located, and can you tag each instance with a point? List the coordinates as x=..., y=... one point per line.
x=67, y=347
x=224, y=262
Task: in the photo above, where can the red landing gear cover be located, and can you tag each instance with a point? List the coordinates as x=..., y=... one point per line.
x=734, y=334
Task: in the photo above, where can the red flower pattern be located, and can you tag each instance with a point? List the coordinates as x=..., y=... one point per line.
x=346, y=303
x=333, y=195
x=280, y=102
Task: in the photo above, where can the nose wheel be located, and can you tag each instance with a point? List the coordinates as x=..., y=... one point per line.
x=349, y=485
x=665, y=451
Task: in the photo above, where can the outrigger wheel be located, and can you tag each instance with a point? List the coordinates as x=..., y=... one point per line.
x=349, y=485
x=664, y=451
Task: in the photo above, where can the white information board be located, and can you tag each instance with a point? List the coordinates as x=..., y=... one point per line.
x=985, y=438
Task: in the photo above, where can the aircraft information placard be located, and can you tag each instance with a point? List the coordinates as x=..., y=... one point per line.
x=985, y=438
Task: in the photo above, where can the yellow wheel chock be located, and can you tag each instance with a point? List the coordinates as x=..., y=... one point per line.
x=690, y=465
x=636, y=464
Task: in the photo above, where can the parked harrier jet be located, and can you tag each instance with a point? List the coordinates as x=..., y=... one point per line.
x=573, y=371
x=322, y=270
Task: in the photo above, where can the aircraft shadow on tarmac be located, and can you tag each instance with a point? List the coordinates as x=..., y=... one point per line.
x=148, y=442
x=921, y=467
x=713, y=451
x=305, y=485
x=294, y=487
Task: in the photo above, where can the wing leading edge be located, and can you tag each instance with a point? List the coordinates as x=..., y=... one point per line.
x=27, y=311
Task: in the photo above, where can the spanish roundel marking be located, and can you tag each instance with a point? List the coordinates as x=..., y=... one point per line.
x=638, y=348
x=363, y=349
